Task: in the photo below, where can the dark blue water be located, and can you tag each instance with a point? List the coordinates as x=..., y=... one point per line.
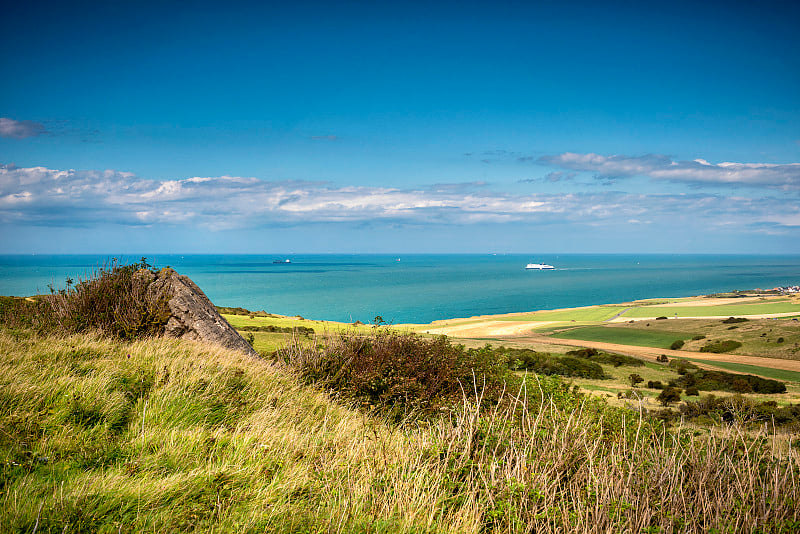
x=423, y=288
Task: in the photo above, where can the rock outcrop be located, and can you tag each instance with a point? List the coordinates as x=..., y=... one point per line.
x=192, y=315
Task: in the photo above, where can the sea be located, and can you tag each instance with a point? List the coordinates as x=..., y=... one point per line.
x=420, y=288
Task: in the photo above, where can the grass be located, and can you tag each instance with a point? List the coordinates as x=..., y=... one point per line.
x=608, y=334
x=594, y=313
x=758, y=308
x=165, y=435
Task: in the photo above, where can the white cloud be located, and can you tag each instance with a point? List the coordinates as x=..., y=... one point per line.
x=20, y=129
x=699, y=171
x=42, y=196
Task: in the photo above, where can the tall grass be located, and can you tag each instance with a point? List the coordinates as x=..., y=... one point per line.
x=165, y=435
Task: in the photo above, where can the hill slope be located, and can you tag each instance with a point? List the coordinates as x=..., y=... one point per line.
x=166, y=435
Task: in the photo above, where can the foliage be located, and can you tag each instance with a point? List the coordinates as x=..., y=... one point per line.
x=742, y=409
x=669, y=395
x=243, y=311
x=544, y=363
x=682, y=366
x=707, y=380
x=617, y=360
x=719, y=347
x=732, y=320
x=301, y=330
x=113, y=301
x=398, y=374
x=677, y=344
x=635, y=378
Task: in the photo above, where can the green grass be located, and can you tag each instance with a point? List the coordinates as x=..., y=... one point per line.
x=594, y=313
x=625, y=336
x=164, y=435
x=730, y=310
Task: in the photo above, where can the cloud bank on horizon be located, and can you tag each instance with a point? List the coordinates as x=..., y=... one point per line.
x=785, y=177
x=68, y=198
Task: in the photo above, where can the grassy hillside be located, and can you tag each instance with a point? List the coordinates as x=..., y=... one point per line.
x=161, y=435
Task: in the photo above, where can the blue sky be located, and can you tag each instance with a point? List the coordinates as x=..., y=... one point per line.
x=356, y=127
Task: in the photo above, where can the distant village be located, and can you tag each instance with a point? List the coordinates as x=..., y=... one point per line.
x=787, y=289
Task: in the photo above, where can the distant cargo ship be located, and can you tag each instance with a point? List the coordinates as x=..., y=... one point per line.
x=539, y=266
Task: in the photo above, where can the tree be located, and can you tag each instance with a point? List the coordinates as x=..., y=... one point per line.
x=634, y=379
x=669, y=395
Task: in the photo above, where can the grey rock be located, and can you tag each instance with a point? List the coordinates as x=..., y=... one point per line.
x=192, y=315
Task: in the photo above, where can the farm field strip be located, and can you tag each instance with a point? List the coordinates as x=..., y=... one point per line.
x=656, y=338
x=726, y=310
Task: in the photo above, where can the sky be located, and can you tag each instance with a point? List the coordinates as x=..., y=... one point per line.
x=371, y=127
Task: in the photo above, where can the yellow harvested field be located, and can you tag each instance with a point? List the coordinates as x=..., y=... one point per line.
x=711, y=302
x=487, y=328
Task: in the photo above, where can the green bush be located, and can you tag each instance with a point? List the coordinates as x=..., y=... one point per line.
x=721, y=346
x=682, y=366
x=302, y=330
x=736, y=407
x=617, y=360
x=706, y=380
x=400, y=375
x=677, y=344
x=731, y=320
x=698, y=337
x=544, y=363
x=669, y=395
x=113, y=301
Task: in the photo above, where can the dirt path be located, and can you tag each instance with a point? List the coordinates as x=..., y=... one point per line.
x=652, y=353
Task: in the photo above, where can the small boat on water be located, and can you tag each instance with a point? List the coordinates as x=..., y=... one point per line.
x=282, y=261
x=539, y=267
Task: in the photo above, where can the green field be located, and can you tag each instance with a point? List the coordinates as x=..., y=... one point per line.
x=730, y=310
x=595, y=313
x=606, y=334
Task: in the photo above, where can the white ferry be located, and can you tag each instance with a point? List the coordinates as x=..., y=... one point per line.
x=539, y=266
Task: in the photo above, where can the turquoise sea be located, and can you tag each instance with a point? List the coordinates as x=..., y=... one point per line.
x=425, y=287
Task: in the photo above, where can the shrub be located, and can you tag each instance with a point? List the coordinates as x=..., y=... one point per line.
x=731, y=320
x=546, y=364
x=398, y=374
x=707, y=380
x=698, y=337
x=617, y=360
x=721, y=346
x=634, y=379
x=669, y=395
x=113, y=301
x=655, y=384
x=677, y=344
x=302, y=330
x=692, y=392
x=682, y=366
x=661, y=318
x=662, y=358
x=780, y=340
